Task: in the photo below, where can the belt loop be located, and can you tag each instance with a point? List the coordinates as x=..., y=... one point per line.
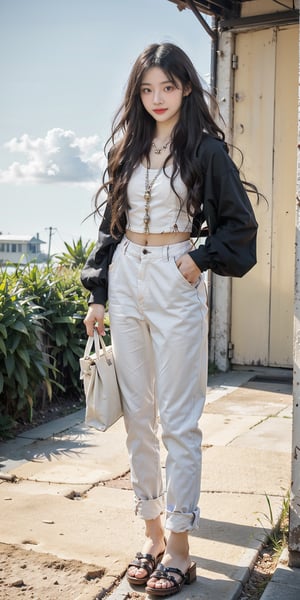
x=168, y=253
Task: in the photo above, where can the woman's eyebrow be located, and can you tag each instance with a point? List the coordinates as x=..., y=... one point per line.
x=161, y=82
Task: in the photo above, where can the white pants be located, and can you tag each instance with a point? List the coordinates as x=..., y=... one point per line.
x=158, y=326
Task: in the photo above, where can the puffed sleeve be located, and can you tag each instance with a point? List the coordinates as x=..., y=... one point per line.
x=230, y=247
x=94, y=275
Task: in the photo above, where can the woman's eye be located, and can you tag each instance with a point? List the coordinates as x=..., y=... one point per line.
x=169, y=88
x=145, y=90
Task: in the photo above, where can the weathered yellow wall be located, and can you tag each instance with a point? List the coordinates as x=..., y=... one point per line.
x=260, y=7
x=284, y=197
x=264, y=128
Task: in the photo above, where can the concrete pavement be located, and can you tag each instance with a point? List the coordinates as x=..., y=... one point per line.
x=72, y=498
x=285, y=583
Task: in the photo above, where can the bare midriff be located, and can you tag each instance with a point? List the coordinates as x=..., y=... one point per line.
x=157, y=239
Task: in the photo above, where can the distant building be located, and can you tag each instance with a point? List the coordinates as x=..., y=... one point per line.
x=21, y=249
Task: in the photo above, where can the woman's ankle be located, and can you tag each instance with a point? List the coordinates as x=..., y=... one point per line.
x=178, y=544
x=154, y=530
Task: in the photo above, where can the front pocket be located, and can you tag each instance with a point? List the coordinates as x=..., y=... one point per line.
x=182, y=278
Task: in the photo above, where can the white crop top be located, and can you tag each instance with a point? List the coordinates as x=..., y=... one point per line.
x=167, y=213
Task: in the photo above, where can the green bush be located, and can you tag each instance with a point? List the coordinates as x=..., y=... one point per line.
x=24, y=367
x=62, y=303
x=42, y=335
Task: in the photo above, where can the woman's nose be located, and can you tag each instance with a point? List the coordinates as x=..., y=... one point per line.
x=157, y=99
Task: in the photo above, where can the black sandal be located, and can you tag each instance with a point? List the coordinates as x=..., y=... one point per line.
x=143, y=561
x=163, y=572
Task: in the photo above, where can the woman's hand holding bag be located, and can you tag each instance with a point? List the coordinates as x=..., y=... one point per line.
x=102, y=394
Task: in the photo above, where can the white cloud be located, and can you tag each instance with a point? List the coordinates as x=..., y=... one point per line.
x=58, y=157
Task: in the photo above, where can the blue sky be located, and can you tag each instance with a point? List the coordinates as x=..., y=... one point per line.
x=64, y=65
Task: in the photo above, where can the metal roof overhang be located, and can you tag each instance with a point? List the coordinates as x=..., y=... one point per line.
x=213, y=7
x=228, y=13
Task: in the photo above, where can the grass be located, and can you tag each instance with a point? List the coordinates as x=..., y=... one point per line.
x=279, y=530
x=272, y=548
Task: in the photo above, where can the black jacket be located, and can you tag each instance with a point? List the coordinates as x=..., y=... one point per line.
x=230, y=245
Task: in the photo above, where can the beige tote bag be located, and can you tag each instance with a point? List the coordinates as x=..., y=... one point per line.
x=102, y=394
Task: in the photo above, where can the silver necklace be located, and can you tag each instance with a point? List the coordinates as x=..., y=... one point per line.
x=147, y=197
x=159, y=150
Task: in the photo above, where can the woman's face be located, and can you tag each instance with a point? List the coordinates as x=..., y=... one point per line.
x=160, y=97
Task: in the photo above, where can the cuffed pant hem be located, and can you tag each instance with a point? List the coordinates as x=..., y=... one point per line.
x=149, y=509
x=179, y=522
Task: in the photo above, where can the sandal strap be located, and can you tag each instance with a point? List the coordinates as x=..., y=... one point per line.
x=163, y=569
x=148, y=557
x=162, y=572
x=144, y=561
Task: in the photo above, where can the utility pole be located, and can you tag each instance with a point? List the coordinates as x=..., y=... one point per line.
x=294, y=524
x=51, y=233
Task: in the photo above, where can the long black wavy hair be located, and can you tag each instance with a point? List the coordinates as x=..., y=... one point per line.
x=133, y=130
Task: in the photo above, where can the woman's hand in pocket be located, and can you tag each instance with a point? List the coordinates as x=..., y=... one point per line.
x=188, y=268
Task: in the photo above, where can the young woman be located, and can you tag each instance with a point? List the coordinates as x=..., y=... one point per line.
x=168, y=173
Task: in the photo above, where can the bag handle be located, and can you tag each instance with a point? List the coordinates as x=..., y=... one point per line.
x=97, y=340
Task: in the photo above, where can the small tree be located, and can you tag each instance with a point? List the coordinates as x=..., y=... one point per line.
x=77, y=254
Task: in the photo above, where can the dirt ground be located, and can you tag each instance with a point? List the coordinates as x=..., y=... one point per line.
x=52, y=410
x=33, y=576
x=27, y=574
x=261, y=575
x=30, y=575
